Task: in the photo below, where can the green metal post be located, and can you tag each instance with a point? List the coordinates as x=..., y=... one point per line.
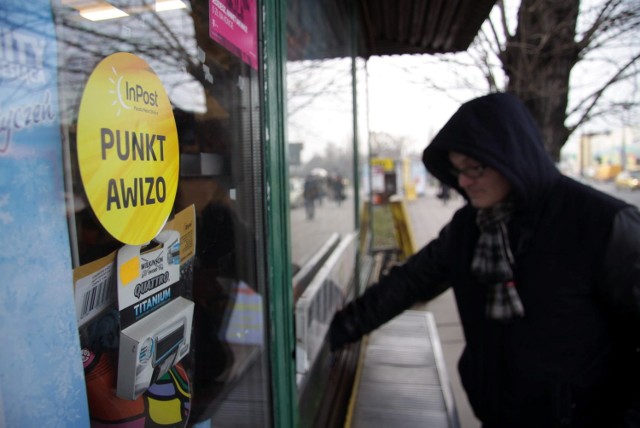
x=281, y=327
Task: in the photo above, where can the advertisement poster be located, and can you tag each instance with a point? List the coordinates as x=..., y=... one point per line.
x=41, y=373
x=233, y=24
x=167, y=401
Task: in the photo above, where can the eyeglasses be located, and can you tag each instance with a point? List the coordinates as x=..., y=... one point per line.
x=469, y=172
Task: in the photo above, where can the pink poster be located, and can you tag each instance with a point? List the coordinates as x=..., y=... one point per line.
x=233, y=25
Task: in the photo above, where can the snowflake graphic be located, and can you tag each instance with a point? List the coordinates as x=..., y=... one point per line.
x=33, y=177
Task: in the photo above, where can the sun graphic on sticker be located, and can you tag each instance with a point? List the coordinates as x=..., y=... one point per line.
x=116, y=81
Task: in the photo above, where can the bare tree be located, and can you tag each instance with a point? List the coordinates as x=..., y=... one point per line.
x=387, y=145
x=570, y=61
x=539, y=57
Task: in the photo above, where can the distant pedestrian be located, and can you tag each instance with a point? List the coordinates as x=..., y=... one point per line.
x=311, y=193
x=546, y=275
x=444, y=194
x=338, y=189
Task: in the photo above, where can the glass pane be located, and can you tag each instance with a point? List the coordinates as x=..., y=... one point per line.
x=321, y=137
x=320, y=126
x=210, y=76
x=363, y=165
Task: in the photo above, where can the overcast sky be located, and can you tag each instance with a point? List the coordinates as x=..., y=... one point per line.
x=402, y=106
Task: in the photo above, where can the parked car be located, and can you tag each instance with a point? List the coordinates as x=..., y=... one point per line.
x=628, y=180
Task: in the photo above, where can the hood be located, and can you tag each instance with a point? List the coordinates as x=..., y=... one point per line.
x=498, y=131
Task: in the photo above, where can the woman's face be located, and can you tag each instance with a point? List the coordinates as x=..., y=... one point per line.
x=483, y=185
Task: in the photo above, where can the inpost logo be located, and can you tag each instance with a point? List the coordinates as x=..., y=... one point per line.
x=132, y=95
x=138, y=94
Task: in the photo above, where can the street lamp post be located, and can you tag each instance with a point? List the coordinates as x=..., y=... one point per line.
x=623, y=146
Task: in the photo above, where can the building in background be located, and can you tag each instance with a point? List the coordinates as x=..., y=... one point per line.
x=604, y=155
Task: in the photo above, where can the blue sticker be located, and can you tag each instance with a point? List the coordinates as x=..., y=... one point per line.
x=41, y=373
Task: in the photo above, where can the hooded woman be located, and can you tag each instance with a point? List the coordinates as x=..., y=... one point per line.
x=545, y=272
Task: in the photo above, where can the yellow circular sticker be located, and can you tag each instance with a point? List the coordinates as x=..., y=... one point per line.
x=128, y=148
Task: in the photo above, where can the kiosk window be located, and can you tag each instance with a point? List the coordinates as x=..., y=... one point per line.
x=211, y=78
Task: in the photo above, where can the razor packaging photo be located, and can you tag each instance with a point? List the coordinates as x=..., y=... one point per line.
x=155, y=319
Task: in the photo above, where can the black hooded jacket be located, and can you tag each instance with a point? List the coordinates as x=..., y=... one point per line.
x=572, y=359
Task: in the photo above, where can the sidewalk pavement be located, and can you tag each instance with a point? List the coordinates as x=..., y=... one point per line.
x=428, y=215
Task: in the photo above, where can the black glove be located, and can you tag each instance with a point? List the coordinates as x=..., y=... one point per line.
x=339, y=332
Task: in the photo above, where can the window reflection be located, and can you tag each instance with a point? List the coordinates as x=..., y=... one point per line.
x=363, y=161
x=320, y=128
x=321, y=132
x=215, y=99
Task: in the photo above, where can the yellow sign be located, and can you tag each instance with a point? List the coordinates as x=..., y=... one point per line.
x=128, y=148
x=386, y=164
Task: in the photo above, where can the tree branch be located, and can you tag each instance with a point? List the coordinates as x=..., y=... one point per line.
x=589, y=102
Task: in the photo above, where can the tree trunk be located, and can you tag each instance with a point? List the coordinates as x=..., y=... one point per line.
x=538, y=60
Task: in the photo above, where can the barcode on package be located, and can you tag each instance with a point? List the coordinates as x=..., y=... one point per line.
x=94, y=293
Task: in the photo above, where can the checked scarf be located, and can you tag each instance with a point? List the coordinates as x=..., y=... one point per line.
x=493, y=262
